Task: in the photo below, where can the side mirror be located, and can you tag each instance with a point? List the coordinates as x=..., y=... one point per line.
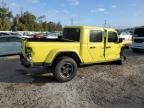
x=115, y=40
x=121, y=40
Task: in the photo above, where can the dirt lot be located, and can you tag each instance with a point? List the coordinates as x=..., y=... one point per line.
x=97, y=86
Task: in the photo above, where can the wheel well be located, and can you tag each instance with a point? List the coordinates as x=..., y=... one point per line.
x=72, y=55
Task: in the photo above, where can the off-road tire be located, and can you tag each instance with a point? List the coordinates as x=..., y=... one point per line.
x=122, y=58
x=65, y=69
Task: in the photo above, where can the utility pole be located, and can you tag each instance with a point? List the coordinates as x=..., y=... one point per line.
x=105, y=23
x=109, y=25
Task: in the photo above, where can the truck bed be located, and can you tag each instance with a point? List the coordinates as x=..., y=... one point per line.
x=42, y=48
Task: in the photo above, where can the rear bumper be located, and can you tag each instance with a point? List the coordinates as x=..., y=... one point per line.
x=137, y=45
x=28, y=64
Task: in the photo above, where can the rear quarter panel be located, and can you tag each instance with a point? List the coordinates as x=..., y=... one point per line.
x=46, y=51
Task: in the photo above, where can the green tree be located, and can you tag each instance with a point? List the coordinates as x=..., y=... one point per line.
x=51, y=26
x=44, y=26
x=5, y=17
x=59, y=26
x=27, y=21
x=54, y=26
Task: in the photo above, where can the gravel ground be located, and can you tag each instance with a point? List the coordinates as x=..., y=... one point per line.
x=97, y=86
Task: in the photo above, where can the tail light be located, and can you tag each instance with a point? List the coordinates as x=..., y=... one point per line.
x=28, y=52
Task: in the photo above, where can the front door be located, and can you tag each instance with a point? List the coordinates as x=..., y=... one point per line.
x=96, y=46
x=112, y=46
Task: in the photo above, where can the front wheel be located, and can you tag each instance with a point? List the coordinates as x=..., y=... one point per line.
x=65, y=69
x=122, y=58
x=121, y=61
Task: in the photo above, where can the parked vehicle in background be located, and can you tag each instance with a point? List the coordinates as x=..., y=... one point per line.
x=18, y=35
x=29, y=34
x=15, y=33
x=138, y=39
x=79, y=45
x=10, y=45
x=52, y=36
x=39, y=35
x=9, y=33
x=4, y=34
x=127, y=38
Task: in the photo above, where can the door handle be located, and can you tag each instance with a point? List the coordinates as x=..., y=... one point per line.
x=92, y=47
x=108, y=47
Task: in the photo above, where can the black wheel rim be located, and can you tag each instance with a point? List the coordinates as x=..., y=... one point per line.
x=66, y=70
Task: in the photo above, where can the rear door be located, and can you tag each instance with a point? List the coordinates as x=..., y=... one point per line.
x=96, y=45
x=112, y=49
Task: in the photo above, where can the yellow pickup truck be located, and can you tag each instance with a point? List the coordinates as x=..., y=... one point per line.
x=79, y=45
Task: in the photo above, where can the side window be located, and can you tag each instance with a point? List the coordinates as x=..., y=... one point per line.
x=95, y=36
x=3, y=39
x=13, y=39
x=112, y=37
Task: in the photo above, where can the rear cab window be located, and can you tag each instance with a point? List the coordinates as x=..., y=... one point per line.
x=72, y=34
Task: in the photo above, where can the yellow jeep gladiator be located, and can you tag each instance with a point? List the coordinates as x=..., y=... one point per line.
x=79, y=45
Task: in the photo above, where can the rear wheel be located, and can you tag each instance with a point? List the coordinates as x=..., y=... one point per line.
x=65, y=69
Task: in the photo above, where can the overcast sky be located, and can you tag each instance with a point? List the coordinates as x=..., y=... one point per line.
x=117, y=13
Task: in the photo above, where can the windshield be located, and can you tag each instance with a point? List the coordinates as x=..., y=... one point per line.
x=72, y=34
x=139, y=32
